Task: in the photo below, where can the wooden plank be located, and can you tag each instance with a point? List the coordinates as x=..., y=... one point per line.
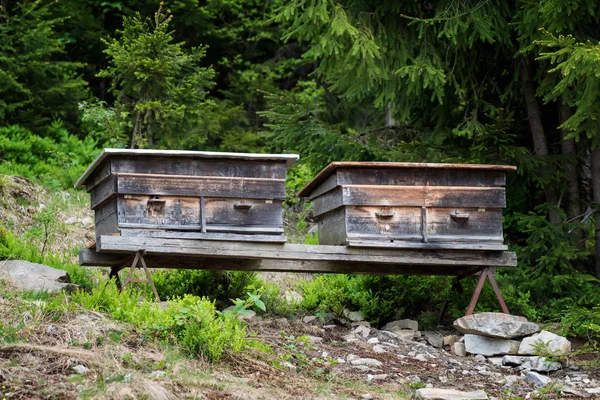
x=243, y=229
x=102, y=172
x=228, y=237
x=159, y=211
x=332, y=227
x=243, y=212
x=107, y=226
x=103, y=191
x=409, y=196
x=178, y=185
x=89, y=257
x=378, y=166
x=173, y=227
x=402, y=223
x=480, y=225
x=399, y=244
x=199, y=167
x=106, y=210
x=248, y=250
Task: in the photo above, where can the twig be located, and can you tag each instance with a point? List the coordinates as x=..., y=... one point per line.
x=46, y=349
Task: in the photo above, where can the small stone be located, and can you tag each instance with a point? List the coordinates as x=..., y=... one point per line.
x=449, y=394
x=70, y=221
x=80, y=369
x=309, y=318
x=511, y=380
x=351, y=357
x=361, y=323
x=52, y=330
x=289, y=365
x=367, y=396
x=157, y=374
x=434, y=338
x=404, y=334
x=340, y=360
x=593, y=390
x=539, y=381
x=495, y=360
x=329, y=326
x=379, y=349
x=496, y=325
x=378, y=377
x=373, y=340
x=370, y=362
x=292, y=296
x=443, y=379
x=127, y=378
x=314, y=339
x=476, y=344
x=86, y=221
x=480, y=358
x=545, y=344
x=362, y=331
x=458, y=349
x=534, y=363
x=450, y=340
x=402, y=324
x=421, y=357
x=349, y=338
x=353, y=316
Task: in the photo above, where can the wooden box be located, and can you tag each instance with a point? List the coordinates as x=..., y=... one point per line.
x=188, y=194
x=411, y=205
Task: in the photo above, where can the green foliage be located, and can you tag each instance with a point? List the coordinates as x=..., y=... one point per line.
x=190, y=321
x=37, y=81
x=55, y=160
x=160, y=88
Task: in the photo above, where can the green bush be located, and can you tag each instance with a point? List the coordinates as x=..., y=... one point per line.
x=55, y=160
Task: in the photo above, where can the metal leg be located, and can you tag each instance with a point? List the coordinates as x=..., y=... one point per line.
x=139, y=256
x=489, y=274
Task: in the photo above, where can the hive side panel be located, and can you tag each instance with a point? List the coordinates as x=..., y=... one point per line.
x=418, y=177
x=332, y=227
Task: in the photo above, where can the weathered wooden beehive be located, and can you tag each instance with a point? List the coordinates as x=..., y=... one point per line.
x=188, y=194
x=408, y=205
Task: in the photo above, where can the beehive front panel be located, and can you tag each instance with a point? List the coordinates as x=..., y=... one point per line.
x=464, y=225
x=383, y=222
x=159, y=212
x=241, y=215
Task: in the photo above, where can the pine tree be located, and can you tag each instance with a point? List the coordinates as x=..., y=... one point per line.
x=160, y=88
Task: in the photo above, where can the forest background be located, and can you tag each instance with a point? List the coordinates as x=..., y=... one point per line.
x=503, y=82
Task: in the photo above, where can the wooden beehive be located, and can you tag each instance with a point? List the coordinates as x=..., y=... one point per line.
x=411, y=205
x=188, y=194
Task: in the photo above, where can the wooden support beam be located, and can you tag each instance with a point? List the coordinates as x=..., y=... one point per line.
x=487, y=273
x=305, y=253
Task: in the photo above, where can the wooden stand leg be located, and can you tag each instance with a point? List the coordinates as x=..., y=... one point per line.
x=489, y=274
x=139, y=257
x=114, y=273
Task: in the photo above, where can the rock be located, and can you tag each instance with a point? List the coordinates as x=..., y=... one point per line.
x=353, y=316
x=329, y=326
x=361, y=323
x=309, y=318
x=379, y=349
x=70, y=221
x=511, y=380
x=496, y=325
x=480, y=358
x=25, y=275
x=405, y=334
x=421, y=357
x=292, y=296
x=450, y=340
x=350, y=338
x=449, y=394
x=495, y=360
x=378, y=377
x=537, y=380
x=458, y=349
x=351, y=357
x=476, y=344
x=369, y=362
x=314, y=339
x=540, y=364
x=402, y=324
x=546, y=344
x=373, y=340
x=157, y=374
x=86, y=221
x=80, y=369
x=593, y=390
x=367, y=396
x=362, y=331
x=434, y=338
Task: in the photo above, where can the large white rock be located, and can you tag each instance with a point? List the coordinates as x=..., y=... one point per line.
x=486, y=346
x=25, y=275
x=449, y=394
x=538, y=380
x=497, y=325
x=545, y=343
x=402, y=324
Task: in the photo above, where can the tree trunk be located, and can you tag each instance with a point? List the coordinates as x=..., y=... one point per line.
x=595, y=161
x=569, y=148
x=538, y=135
x=136, y=128
x=389, y=118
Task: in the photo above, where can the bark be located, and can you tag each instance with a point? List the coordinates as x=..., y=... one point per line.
x=389, y=118
x=595, y=168
x=569, y=148
x=136, y=128
x=538, y=135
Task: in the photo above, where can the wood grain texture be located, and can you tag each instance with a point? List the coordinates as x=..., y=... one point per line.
x=103, y=191
x=405, y=223
x=481, y=225
x=400, y=244
x=228, y=237
x=159, y=211
x=269, y=251
x=199, y=167
x=100, y=174
x=243, y=212
x=178, y=185
x=332, y=227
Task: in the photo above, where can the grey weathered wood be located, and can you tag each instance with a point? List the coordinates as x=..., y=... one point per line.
x=176, y=155
x=228, y=237
x=199, y=167
x=159, y=211
x=406, y=222
x=100, y=174
x=221, y=211
x=104, y=191
x=332, y=228
x=362, y=242
x=482, y=225
x=249, y=250
x=207, y=186
x=243, y=229
x=428, y=196
x=107, y=226
x=89, y=257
